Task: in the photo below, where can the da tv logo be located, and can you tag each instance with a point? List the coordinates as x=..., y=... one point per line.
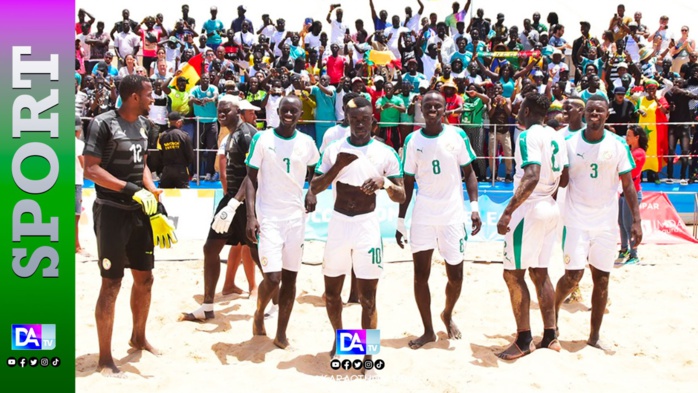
x=33, y=337
x=358, y=342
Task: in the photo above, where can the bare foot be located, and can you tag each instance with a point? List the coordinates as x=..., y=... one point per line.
x=111, y=371
x=453, y=331
x=514, y=352
x=258, y=324
x=324, y=297
x=233, y=290
x=419, y=342
x=193, y=318
x=145, y=346
x=253, y=293
x=596, y=343
x=281, y=342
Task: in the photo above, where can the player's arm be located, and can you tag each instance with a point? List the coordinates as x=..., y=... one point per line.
x=322, y=180
x=631, y=198
x=250, y=196
x=393, y=186
x=471, y=188
x=401, y=231
x=310, y=199
x=526, y=187
x=222, y=163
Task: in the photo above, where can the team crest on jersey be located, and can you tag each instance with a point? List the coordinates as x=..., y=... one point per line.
x=298, y=151
x=264, y=261
x=568, y=258
x=450, y=147
x=106, y=264
x=607, y=155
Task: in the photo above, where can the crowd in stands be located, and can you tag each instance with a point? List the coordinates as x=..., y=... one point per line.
x=482, y=66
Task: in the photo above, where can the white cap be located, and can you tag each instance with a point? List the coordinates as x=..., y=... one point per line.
x=557, y=52
x=378, y=78
x=424, y=84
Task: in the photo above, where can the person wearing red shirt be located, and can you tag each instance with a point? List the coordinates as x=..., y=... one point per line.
x=454, y=101
x=376, y=91
x=81, y=21
x=637, y=141
x=336, y=65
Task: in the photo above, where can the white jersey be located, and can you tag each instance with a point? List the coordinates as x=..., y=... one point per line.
x=566, y=132
x=592, y=193
x=436, y=162
x=282, y=165
x=334, y=134
x=541, y=145
x=375, y=159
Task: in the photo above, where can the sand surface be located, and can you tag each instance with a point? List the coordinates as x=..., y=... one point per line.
x=651, y=328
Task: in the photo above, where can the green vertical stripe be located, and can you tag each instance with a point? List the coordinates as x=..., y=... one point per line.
x=518, y=240
x=564, y=237
x=523, y=147
x=253, y=144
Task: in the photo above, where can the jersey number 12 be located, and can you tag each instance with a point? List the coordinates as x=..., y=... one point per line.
x=137, y=153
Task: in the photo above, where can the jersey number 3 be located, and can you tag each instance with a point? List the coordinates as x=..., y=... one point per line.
x=137, y=153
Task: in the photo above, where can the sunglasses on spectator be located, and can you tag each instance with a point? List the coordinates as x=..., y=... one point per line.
x=684, y=29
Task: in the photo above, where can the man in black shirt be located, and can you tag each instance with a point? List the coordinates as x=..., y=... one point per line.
x=177, y=154
x=115, y=159
x=230, y=221
x=186, y=18
x=119, y=26
x=621, y=111
x=679, y=99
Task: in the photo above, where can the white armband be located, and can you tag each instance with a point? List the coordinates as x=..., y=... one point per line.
x=474, y=206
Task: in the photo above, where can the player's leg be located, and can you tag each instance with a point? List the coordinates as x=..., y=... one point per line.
x=231, y=269
x=249, y=265
x=112, y=230
x=354, y=289
x=293, y=235
x=336, y=263
x=451, y=242
x=270, y=255
x=575, y=250
x=139, y=251
x=423, y=243
x=507, y=151
x=369, y=313
x=672, y=151
x=287, y=297
x=600, y=264
x=516, y=262
x=685, y=146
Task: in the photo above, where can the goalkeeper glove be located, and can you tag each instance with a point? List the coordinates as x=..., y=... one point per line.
x=144, y=197
x=163, y=231
x=222, y=221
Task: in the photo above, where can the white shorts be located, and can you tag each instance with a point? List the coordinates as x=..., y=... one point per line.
x=530, y=240
x=354, y=241
x=448, y=239
x=281, y=245
x=595, y=247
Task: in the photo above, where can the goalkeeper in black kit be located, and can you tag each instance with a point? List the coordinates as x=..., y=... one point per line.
x=129, y=220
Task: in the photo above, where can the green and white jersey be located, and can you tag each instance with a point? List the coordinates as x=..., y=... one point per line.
x=282, y=164
x=592, y=193
x=541, y=145
x=566, y=132
x=435, y=162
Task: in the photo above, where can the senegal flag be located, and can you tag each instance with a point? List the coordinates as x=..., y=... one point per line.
x=656, y=133
x=378, y=58
x=191, y=70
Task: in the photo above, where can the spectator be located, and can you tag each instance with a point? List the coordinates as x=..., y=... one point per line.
x=539, y=27
x=681, y=50
x=236, y=25
x=637, y=141
x=81, y=25
x=125, y=21
x=380, y=21
x=186, y=18
x=177, y=154
x=679, y=99
x=150, y=37
x=213, y=29
x=474, y=107
x=409, y=99
x=653, y=109
x=204, y=99
x=499, y=114
x=390, y=107
x=129, y=68
x=457, y=16
x=126, y=43
x=99, y=45
x=621, y=111
x=79, y=167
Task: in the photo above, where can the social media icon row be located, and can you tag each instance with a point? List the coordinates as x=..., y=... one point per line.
x=33, y=362
x=346, y=364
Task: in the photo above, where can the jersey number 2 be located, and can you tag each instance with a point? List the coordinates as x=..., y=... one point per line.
x=137, y=153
